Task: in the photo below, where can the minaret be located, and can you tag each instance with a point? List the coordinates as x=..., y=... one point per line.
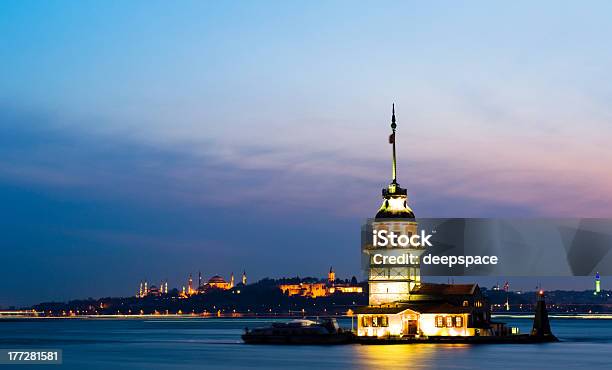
x=393, y=284
x=190, y=285
x=199, y=280
x=140, y=290
x=507, y=289
x=146, y=288
x=232, y=280
x=244, y=278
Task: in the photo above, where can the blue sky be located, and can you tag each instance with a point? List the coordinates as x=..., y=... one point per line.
x=137, y=138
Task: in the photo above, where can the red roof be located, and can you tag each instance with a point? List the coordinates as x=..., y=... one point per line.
x=418, y=307
x=445, y=289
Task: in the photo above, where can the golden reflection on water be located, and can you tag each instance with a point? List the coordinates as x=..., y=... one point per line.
x=413, y=356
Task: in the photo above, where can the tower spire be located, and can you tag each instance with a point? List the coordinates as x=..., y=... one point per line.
x=395, y=197
x=392, y=141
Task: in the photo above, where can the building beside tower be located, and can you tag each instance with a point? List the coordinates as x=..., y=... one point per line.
x=400, y=304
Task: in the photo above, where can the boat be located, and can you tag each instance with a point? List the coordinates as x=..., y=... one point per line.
x=326, y=331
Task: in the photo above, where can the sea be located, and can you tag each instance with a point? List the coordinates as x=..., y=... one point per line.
x=214, y=343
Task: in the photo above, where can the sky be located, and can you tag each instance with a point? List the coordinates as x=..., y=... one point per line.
x=150, y=140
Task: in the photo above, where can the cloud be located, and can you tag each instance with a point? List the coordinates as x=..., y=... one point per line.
x=534, y=175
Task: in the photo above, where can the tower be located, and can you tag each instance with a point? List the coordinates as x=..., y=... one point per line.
x=231, y=280
x=244, y=278
x=541, y=323
x=146, y=288
x=506, y=289
x=393, y=283
x=190, y=285
x=597, y=284
x=199, y=280
x=140, y=292
x=331, y=276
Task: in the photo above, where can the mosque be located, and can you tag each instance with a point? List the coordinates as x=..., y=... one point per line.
x=145, y=290
x=214, y=283
x=400, y=303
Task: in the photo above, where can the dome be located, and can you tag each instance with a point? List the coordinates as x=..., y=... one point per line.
x=216, y=279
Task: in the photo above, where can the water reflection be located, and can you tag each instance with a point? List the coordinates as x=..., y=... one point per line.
x=414, y=356
x=215, y=344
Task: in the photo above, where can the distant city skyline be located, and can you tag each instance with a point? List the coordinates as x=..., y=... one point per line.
x=150, y=140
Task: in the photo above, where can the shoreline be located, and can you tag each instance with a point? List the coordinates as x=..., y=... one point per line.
x=30, y=316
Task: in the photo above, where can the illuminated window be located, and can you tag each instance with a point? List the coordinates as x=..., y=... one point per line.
x=380, y=321
x=466, y=303
x=449, y=321
x=439, y=321
x=458, y=321
x=366, y=321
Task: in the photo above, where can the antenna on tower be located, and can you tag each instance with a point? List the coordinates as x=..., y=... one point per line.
x=392, y=141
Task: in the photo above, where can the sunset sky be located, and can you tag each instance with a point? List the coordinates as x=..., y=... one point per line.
x=150, y=139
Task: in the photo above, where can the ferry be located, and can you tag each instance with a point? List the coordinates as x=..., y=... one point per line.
x=326, y=331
